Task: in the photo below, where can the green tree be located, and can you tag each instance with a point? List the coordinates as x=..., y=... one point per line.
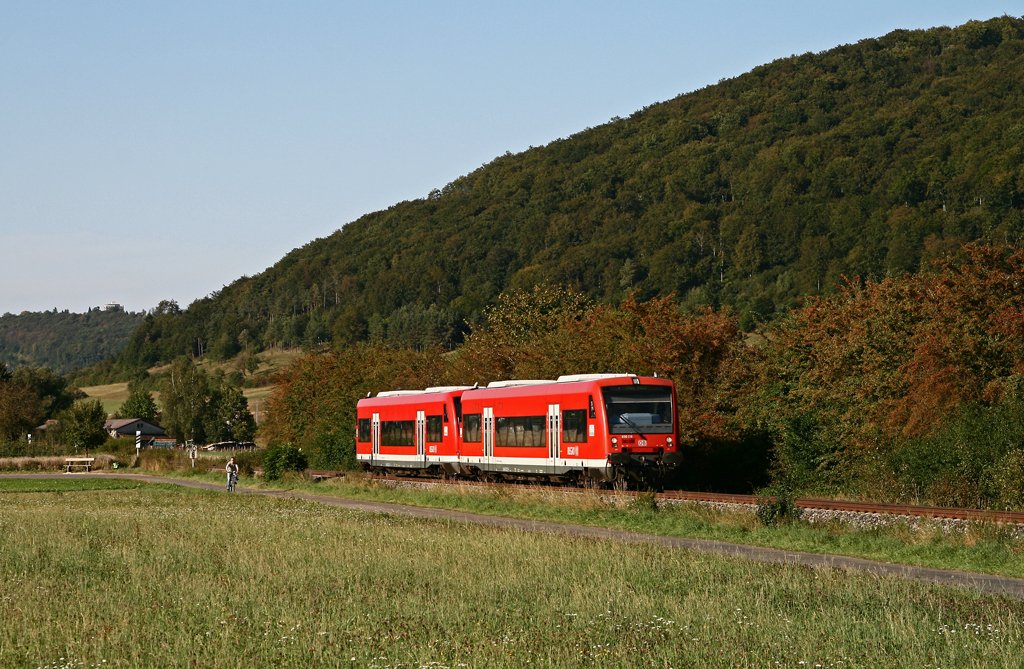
x=82, y=425
x=283, y=458
x=140, y=404
x=20, y=410
x=50, y=387
x=185, y=395
x=781, y=180
x=227, y=416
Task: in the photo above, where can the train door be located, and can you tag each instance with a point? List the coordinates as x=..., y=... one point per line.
x=375, y=437
x=488, y=436
x=421, y=437
x=554, y=434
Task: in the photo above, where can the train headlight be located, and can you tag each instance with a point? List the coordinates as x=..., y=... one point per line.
x=670, y=441
x=615, y=442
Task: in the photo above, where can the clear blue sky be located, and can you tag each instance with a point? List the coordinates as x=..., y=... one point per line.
x=161, y=150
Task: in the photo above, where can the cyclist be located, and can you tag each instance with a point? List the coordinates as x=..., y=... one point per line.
x=232, y=471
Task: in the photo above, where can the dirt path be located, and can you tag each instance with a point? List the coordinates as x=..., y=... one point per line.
x=986, y=583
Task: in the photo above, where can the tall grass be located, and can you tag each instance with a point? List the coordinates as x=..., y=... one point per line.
x=981, y=547
x=155, y=577
x=52, y=463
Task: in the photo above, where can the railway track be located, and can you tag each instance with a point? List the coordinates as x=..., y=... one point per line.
x=803, y=503
x=808, y=503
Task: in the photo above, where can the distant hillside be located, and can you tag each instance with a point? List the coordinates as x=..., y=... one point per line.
x=64, y=341
x=866, y=160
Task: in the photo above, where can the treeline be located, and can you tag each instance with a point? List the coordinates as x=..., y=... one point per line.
x=34, y=397
x=908, y=388
x=64, y=341
x=202, y=407
x=40, y=413
x=868, y=160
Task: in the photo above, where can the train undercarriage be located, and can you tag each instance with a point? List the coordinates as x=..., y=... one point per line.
x=620, y=470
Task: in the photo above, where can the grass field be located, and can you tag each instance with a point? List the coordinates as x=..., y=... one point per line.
x=116, y=576
x=987, y=548
x=111, y=395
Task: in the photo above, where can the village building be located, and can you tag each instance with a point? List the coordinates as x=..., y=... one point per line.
x=46, y=432
x=128, y=427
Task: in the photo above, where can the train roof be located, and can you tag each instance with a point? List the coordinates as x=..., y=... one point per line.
x=512, y=387
x=564, y=384
x=398, y=397
x=570, y=378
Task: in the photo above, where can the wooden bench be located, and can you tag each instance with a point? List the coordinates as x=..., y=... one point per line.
x=83, y=463
x=318, y=476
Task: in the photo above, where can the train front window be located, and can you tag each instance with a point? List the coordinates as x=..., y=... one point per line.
x=638, y=409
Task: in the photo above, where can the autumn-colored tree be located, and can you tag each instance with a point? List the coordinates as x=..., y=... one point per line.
x=849, y=379
x=563, y=334
x=313, y=405
x=511, y=326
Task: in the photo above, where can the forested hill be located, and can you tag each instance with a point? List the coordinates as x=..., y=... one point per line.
x=867, y=160
x=64, y=341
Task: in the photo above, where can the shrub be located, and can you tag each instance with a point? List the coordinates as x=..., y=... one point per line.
x=645, y=502
x=123, y=448
x=248, y=462
x=163, y=459
x=1008, y=480
x=283, y=458
x=778, y=508
x=973, y=459
x=333, y=449
x=17, y=449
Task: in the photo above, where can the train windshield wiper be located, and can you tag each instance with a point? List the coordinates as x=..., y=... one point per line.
x=636, y=427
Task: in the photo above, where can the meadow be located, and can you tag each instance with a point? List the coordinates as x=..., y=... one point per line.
x=111, y=574
x=976, y=547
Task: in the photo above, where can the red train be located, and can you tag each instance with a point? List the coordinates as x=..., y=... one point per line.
x=598, y=427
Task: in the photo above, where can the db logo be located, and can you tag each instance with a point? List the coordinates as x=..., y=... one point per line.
x=641, y=443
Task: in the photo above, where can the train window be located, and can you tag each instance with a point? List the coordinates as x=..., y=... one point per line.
x=471, y=428
x=638, y=409
x=574, y=426
x=364, y=429
x=526, y=431
x=397, y=433
x=433, y=428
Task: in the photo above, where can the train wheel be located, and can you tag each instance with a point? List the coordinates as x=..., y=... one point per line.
x=574, y=479
x=620, y=479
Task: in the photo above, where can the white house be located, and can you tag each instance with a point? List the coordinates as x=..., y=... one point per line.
x=127, y=427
